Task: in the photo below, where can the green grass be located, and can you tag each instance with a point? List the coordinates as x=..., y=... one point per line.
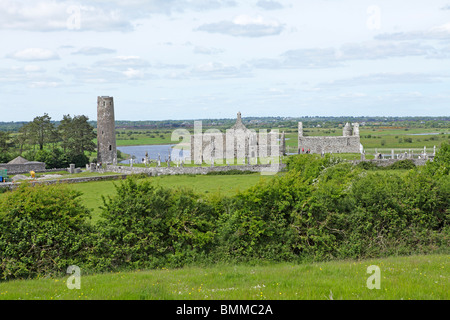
x=207, y=184
x=413, y=277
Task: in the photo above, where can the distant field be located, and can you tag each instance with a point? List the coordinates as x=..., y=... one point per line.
x=401, y=278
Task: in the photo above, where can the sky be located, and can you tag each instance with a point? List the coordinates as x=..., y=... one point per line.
x=199, y=59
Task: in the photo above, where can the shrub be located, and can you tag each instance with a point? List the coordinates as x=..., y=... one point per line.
x=255, y=224
x=367, y=165
x=402, y=164
x=43, y=230
x=149, y=226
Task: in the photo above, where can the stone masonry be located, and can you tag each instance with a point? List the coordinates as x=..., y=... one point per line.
x=106, y=131
x=237, y=143
x=349, y=142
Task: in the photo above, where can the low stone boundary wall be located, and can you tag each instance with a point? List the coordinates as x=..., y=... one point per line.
x=157, y=171
x=388, y=162
x=13, y=185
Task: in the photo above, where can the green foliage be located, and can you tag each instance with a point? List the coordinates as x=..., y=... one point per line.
x=406, y=164
x=52, y=159
x=42, y=231
x=322, y=208
x=402, y=164
x=77, y=137
x=367, y=165
x=440, y=166
x=149, y=226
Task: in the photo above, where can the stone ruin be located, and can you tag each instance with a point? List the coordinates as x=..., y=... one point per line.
x=349, y=142
x=237, y=143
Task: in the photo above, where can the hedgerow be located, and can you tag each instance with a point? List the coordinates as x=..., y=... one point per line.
x=320, y=209
x=43, y=230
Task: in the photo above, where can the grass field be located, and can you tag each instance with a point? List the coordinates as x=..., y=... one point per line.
x=401, y=278
x=208, y=184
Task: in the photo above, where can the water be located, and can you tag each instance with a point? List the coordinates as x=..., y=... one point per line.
x=427, y=134
x=154, y=151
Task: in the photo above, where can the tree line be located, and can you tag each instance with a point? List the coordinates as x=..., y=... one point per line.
x=58, y=145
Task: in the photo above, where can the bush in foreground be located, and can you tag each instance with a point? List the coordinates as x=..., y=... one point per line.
x=43, y=230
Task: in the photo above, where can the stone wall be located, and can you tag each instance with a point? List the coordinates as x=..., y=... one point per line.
x=330, y=144
x=157, y=171
x=349, y=142
x=388, y=162
x=238, y=142
x=13, y=185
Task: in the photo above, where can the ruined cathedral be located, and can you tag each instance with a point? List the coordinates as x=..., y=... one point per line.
x=237, y=143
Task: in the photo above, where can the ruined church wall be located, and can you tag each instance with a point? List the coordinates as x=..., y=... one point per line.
x=339, y=144
x=240, y=143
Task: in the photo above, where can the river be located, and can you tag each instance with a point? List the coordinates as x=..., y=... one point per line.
x=154, y=151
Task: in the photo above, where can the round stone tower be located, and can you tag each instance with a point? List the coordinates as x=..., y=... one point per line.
x=106, y=131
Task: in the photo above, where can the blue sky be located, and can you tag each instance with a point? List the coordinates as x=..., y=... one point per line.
x=193, y=59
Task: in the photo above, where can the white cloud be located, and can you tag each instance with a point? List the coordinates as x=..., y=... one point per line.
x=131, y=73
x=207, y=50
x=382, y=50
x=93, y=51
x=245, y=26
x=269, y=5
x=441, y=32
x=124, y=63
x=219, y=70
x=33, y=54
x=50, y=15
x=94, y=15
x=313, y=58
x=387, y=78
x=31, y=76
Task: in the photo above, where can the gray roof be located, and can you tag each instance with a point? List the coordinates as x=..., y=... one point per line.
x=18, y=160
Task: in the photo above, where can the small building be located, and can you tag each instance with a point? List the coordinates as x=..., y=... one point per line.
x=22, y=165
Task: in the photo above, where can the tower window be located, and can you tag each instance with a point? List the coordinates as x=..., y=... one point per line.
x=110, y=147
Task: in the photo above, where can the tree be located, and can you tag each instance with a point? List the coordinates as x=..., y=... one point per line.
x=5, y=144
x=77, y=137
x=39, y=131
